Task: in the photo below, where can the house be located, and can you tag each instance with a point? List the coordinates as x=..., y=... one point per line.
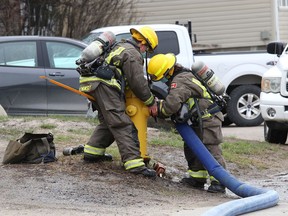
x=222, y=24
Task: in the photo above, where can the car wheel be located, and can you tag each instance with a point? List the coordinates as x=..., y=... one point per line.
x=274, y=135
x=244, y=106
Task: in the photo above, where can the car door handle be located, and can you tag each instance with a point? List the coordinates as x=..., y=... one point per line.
x=57, y=74
x=271, y=63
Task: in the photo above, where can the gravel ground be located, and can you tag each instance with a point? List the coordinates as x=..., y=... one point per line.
x=72, y=187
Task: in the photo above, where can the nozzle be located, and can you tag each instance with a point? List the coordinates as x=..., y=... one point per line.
x=73, y=150
x=159, y=168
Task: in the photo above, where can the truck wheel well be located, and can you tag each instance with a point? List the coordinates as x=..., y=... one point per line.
x=244, y=80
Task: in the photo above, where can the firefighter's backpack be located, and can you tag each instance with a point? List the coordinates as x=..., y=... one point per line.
x=31, y=148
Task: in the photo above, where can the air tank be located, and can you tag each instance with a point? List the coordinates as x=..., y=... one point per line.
x=209, y=77
x=96, y=48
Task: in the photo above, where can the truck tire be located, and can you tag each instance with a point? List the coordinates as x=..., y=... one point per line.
x=244, y=106
x=274, y=135
x=226, y=121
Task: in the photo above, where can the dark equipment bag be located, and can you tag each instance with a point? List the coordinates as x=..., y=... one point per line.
x=31, y=148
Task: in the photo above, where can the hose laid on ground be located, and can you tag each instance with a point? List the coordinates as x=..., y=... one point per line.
x=255, y=198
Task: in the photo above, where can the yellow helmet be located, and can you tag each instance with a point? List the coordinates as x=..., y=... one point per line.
x=146, y=35
x=161, y=65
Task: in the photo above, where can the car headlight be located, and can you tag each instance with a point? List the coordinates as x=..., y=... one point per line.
x=271, y=84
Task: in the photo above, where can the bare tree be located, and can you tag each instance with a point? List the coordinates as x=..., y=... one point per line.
x=67, y=18
x=78, y=17
x=10, y=21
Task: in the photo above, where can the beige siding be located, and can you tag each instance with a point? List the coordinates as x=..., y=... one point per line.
x=283, y=24
x=217, y=23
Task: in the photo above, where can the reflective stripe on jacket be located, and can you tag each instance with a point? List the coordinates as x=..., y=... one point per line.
x=185, y=88
x=128, y=61
x=85, y=82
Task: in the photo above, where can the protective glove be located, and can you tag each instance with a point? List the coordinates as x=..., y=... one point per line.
x=160, y=107
x=153, y=110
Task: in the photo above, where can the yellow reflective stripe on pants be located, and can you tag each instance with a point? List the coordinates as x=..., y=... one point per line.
x=134, y=164
x=206, y=114
x=212, y=178
x=93, y=150
x=198, y=174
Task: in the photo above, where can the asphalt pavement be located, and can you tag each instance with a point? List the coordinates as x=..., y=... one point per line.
x=247, y=133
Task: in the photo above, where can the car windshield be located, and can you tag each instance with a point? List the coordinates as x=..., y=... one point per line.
x=92, y=36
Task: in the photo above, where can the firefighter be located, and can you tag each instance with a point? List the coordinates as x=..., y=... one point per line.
x=185, y=89
x=126, y=57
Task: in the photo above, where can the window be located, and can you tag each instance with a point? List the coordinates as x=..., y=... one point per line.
x=63, y=55
x=168, y=43
x=18, y=54
x=283, y=3
x=90, y=37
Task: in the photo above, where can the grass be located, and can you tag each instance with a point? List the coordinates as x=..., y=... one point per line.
x=240, y=152
x=48, y=126
x=4, y=118
x=167, y=138
x=249, y=153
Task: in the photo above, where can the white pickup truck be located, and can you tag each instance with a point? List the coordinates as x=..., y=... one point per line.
x=274, y=96
x=240, y=73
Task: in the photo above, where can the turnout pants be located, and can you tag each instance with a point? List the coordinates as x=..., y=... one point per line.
x=211, y=138
x=114, y=124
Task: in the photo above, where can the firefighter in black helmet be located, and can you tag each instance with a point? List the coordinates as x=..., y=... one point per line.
x=185, y=89
x=115, y=125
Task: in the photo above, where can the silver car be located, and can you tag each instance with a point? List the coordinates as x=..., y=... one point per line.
x=23, y=59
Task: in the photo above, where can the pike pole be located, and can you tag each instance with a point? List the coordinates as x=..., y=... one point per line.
x=68, y=88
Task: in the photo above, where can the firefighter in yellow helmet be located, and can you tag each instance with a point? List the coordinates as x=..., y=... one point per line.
x=186, y=91
x=125, y=58
x=147, y=36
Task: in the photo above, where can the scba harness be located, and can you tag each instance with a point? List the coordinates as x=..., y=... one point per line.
x=190, y=110
x=95, y=63
x=99, y=68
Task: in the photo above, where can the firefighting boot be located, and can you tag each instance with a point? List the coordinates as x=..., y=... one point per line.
x=145, y=172
x=192, y=182
x=216, y=187
x=97, y=158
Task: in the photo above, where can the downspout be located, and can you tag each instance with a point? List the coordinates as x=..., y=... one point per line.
x=276, y=19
